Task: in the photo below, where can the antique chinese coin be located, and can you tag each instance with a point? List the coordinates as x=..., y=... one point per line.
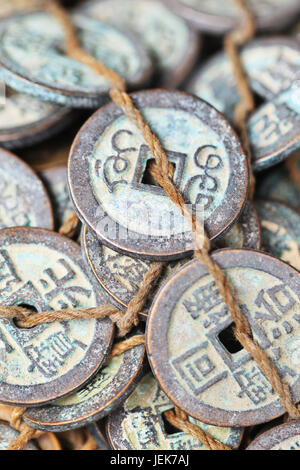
x=23, y=198
x=139, y=424
x=42, y=270
x=191, y=345
x=173, y=45
x=284, y=437
x=110, y=175
x=8, y=435
x=213, y=16
x=104, y=393
x=32, y=59
x=98, y=434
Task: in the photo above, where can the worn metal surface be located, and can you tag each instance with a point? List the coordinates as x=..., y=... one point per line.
x=280, y=231
x=108, y=169
x=44, y=270
x=8, y=435
x=32, y=59
x=23, y=198
x=97, y=430
x=173, y=45
x=284, y=437
x=194, y=355
x=139, y=425
x=213, y=16
x=99, y=397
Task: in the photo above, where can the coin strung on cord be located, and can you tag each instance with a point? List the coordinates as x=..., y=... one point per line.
x=215, y=17
x=32, y=59
x=42, y=270
x=280, y=231
x=99, y=397
x=173, y=45
x=8, y=435
x=193, y=351
x=284, y=437
x=23, y=198
x=115, y=195
x=139, y=424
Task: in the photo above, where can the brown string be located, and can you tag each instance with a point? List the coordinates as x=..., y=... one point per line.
x=26, y=432
x=292, y=165
x=70, y=226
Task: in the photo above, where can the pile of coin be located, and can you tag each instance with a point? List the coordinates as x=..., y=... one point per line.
x=76, y=150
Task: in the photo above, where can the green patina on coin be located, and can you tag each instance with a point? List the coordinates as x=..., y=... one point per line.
x=284, y=437
x=44, y=270
x=32, y=59
x=138, y=424
x=173, y=45
x=23, y=198
x=9, y=435
x=191, y=345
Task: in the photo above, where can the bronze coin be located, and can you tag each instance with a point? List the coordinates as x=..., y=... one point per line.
x=23, y=198
x=33, y=62
x=98, y=434
x=100, y=396
x=284, y=437
x=215, y=17
x=191, y=345
x=173, y=45
x=44, y=270
x=139, y=424
x=9, y=435
x=110, y=182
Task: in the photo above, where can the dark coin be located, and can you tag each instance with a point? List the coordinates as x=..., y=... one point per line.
x=284, y=437
x=98, y=435
x=191, y=345
x=107, y=390
x=280, y=231
x=139, y=424
x=173, y=45
x=110, y=182
x=33, y=62
x=9, y=435
x=44, y=270
x=213, y=16
x=23, y=197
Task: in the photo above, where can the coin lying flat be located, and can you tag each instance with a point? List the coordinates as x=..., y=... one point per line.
x=139, y=425
x=9, y=435
x=173, y=45
x=32, y=59
x=280, y=231
x=191, y=344
x=44, y=270
x=23, y=198
x=111, y=186
x=213, y=16
x=284, y=437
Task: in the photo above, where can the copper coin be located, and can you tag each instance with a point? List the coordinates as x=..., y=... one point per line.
x=98, y=434
x=284, y=437
x=139, y=424
x=44, y=270
x=110, y=182
x=191, y=345
x=215, y=17
x=104, y=393
x=272, y=65
x=32, y=59
x=173, y=45
x=280, y=231
x=9, y=435
x=23, y=198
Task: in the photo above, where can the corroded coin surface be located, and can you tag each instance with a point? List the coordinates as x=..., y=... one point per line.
x=191, y=345
x=23, y=198
x=213, y=16
x=44, y=270
x=110, y=387
x=98, y=434
x=173, y=45
x=32, y=59
x=280, y=231
x=110, y=175
x=139, y=425
x=9, y=435
x=25, y=120
x=284, y=437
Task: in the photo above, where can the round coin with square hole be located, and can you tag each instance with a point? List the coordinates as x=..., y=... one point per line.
x=284, y=437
